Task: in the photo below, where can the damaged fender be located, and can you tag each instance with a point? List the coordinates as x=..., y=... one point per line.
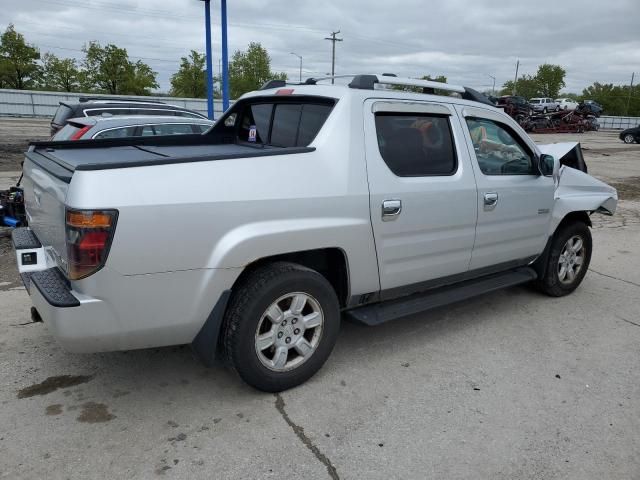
x=577, y=191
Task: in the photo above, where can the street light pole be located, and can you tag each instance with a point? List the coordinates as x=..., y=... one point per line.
x=300, y=57
x=207, y=25
x=515, y=79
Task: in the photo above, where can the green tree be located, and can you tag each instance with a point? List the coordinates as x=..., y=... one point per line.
x=18, y=60
x=550, y=79
x=614, y=98
x=59, y=74
x=109, y=69
x=250, y=70
x=526, y=86
x=190, y=79
x=141, y=79
x=547, y=82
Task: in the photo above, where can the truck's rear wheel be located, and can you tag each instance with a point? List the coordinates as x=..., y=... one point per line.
x=281, y=326
x=568, y=260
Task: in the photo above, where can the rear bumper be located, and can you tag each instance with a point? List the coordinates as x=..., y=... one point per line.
x=76, y=327
x=109, y=311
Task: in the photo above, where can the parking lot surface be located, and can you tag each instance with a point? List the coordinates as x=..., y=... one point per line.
x=509, y=385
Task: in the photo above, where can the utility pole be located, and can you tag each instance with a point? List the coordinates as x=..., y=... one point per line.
x=630, y=90
x=333, y=41
x=515, y=80
x=300, y=57
x=493, y=90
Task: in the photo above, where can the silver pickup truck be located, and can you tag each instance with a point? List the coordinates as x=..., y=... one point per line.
x=303, y=204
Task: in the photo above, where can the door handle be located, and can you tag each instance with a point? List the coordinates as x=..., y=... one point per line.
x=490, y=200
x=391, y=209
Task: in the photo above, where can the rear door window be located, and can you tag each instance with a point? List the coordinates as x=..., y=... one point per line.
x=416, y=145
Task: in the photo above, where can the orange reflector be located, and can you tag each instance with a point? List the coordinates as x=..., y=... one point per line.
x=89, y=219
x=285, y=91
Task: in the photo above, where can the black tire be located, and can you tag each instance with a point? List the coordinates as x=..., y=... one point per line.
x=628, y=138
x=248, y=304
x=550, y=283
x=544, y=110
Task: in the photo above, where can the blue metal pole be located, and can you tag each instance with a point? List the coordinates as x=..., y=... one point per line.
x=225, y=57
x=207, y=20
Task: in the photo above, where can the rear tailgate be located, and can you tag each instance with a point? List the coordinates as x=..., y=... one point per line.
x=45, y=191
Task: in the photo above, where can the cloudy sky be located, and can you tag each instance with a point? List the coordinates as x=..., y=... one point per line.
x=466, y=40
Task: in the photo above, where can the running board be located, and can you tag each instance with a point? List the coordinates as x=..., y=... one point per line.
x=378, y=313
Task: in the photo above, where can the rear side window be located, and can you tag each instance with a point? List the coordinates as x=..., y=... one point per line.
x=416, y=145
x=67, y=132
x=62, y=114
x=282, y=124
x=117, y=133
x=173, y=129
x=95, y=112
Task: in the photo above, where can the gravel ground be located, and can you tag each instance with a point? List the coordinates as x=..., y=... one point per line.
x=512, y=385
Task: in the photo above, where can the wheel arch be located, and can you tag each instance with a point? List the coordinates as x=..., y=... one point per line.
x=540, y=264
x=331, y=262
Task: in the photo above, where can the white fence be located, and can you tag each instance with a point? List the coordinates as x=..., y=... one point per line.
x=31, y=103
x=618, y=123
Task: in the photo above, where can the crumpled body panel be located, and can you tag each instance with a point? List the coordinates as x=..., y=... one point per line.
x=580, y=192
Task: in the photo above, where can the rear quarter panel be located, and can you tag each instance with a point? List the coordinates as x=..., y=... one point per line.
x=226, y=214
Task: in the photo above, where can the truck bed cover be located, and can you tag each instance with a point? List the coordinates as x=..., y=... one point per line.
x=61, y=159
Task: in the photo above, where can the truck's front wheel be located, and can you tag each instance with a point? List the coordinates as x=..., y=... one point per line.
x=281, y=326
x=568, y=260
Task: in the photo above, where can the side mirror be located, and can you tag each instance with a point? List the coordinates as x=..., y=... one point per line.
x=549, y=166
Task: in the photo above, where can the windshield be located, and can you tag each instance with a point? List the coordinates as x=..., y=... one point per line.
x=534, y=100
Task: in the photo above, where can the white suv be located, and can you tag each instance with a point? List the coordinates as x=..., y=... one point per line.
x=566, y=103
x=544, y=105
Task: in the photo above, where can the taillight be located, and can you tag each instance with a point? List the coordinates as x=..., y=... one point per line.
x=78, y=135
x=89, y=234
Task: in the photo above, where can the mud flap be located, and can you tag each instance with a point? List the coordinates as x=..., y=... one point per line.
x=206, y=342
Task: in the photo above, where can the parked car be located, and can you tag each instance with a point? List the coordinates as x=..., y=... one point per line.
x=566, y=103
x=85, y=128
x=590, y=106
x=302, y=203
x=543, y=105
x=91, y=107
x=515, y=106
x=630, y=135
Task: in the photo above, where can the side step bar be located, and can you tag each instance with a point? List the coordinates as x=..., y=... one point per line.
x=378, y=313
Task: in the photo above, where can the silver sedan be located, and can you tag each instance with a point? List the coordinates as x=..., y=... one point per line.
x=86, y=128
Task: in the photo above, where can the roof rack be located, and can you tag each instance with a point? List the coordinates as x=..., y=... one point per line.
x=118, y=100
x=367, y=82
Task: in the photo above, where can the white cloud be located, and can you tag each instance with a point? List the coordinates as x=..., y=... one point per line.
x=465, y=41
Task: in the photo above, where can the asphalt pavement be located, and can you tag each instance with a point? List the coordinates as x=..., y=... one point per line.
x=511, y=385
